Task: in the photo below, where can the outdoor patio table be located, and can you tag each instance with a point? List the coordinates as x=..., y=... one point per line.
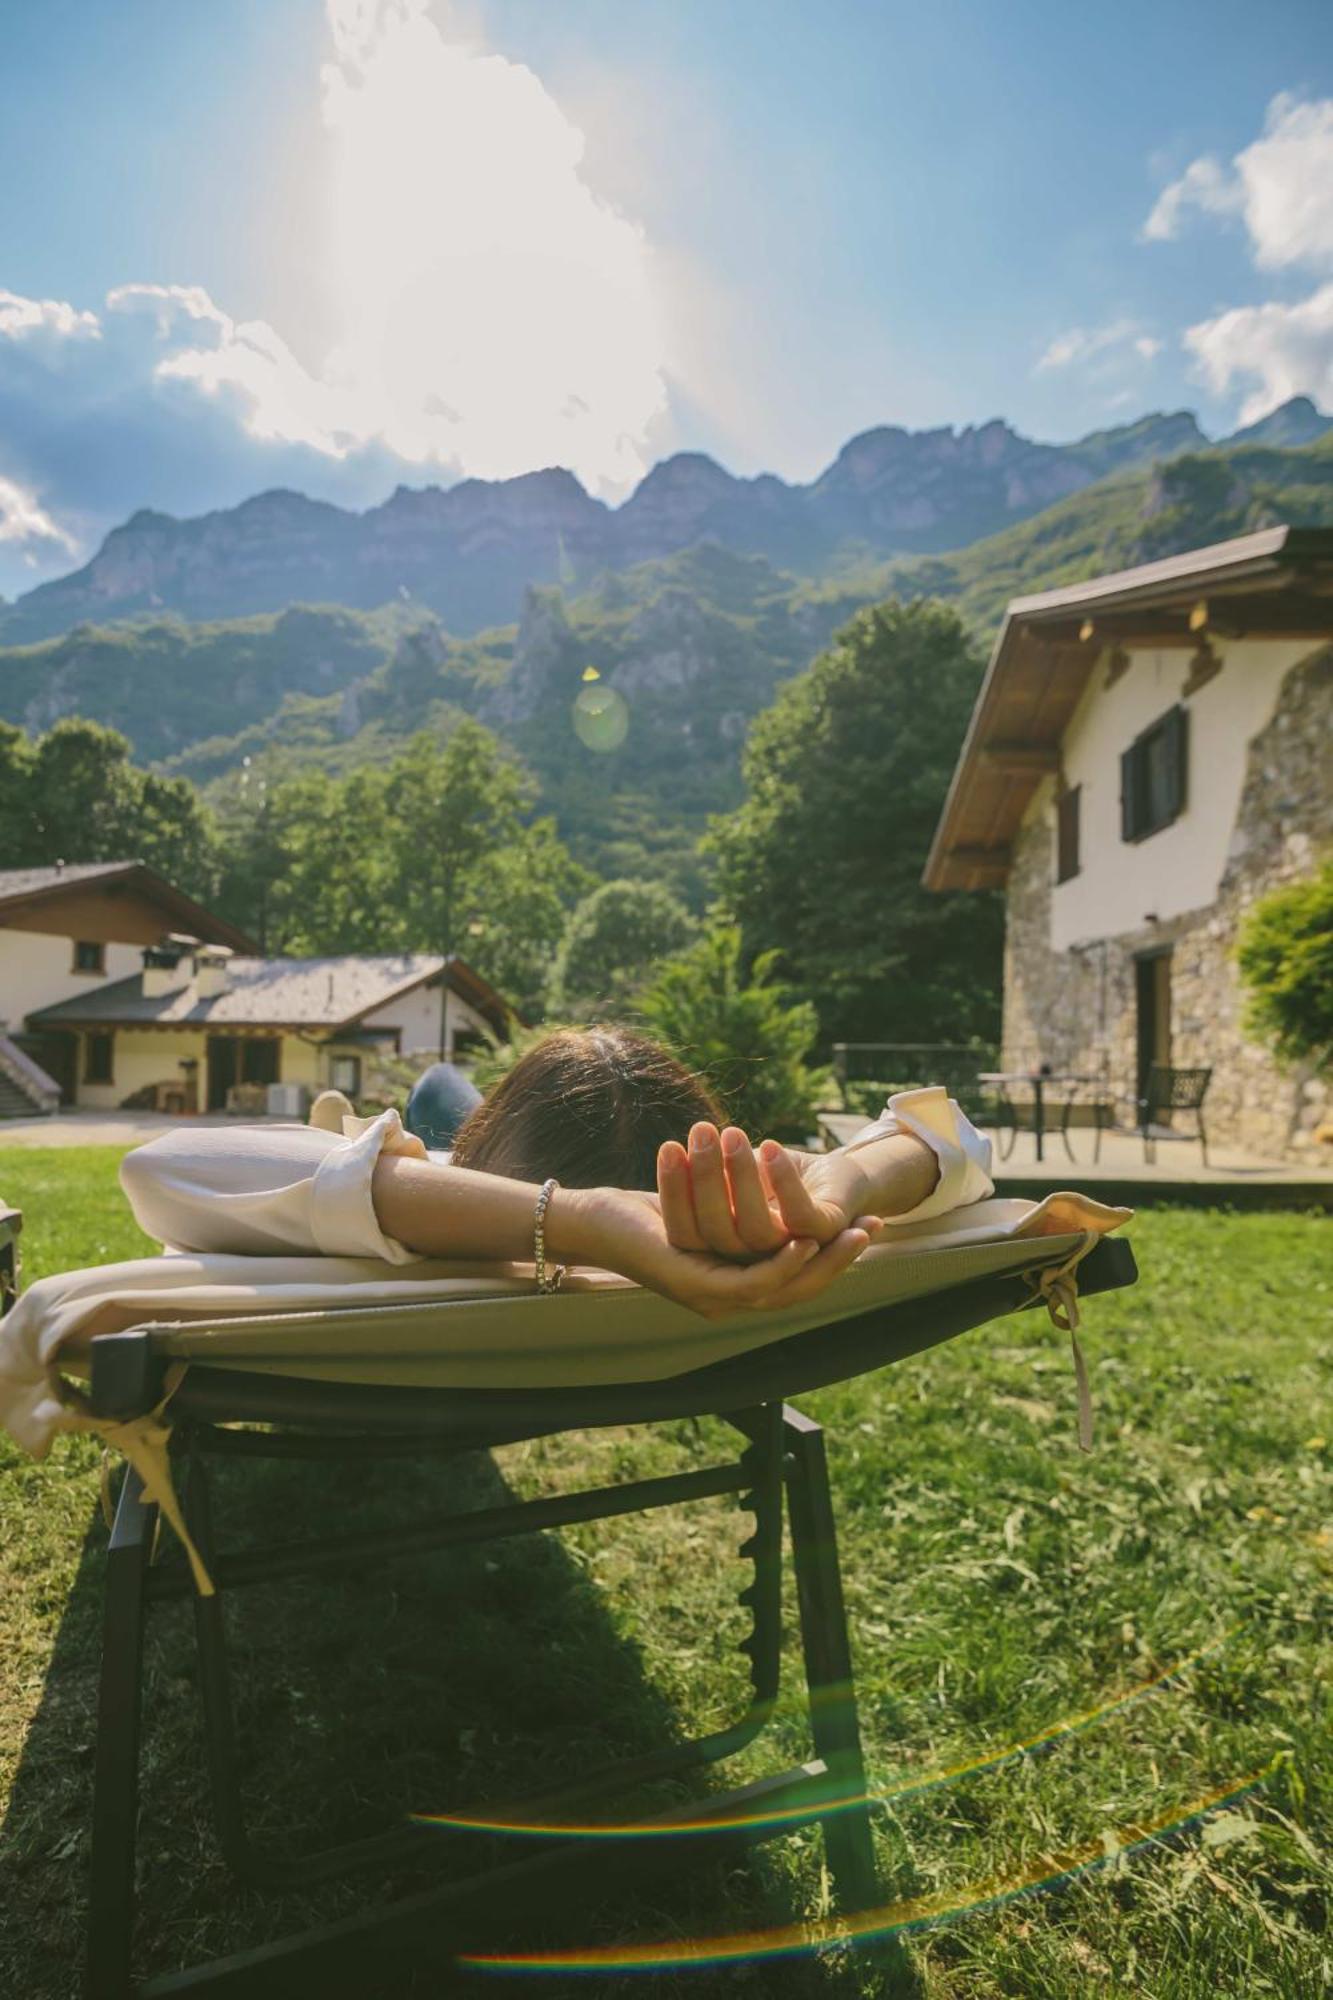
x=1039, y=1080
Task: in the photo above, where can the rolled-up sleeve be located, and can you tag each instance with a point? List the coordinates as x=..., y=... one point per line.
x=963, y=1153
x=260, y=1191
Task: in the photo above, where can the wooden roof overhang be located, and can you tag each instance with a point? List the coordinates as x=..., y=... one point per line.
x=1274, y=584
x=125, y=878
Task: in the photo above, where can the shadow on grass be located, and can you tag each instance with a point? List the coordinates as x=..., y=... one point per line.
x=432, y=1684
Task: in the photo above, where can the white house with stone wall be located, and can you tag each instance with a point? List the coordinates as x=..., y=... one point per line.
x=121, y=989
x=1149, y=753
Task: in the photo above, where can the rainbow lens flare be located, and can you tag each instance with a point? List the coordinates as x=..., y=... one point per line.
x=798, y=1815
x=916, y=1913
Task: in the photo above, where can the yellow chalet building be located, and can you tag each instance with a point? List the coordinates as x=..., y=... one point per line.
x=116, y=988
x=1150, y=753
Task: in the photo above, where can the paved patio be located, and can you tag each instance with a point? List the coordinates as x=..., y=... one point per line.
x=108, y=1128
x=1179, y=1165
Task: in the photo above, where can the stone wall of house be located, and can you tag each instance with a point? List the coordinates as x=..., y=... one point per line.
x=1076, y=1009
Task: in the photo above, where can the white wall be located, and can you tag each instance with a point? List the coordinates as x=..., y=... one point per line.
x=139, y=1056
x=35, y=972
x=416, y=1016
x=1180, y=868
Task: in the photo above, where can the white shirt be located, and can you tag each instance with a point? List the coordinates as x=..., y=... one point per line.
x=292, y=1190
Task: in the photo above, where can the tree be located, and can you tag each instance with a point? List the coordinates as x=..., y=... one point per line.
x=846, y=775
x=526, y=889
x=73, y=795
x=451, y=807
x=612, y=944
x=745, y=1035
x=16, y=833
x=1285, y=953
x=432, y=852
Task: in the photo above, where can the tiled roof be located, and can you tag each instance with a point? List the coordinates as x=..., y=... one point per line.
x=261, y=992
x=31, y=881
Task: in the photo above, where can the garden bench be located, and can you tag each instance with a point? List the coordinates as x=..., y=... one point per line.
x=391, y=1380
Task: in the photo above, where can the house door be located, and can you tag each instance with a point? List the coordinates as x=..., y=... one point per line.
x=238, y=1059
x=1152, y=994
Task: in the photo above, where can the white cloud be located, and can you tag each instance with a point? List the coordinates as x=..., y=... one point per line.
x=1205, y=184
x=25, y=522
x=495, y=314
x=21, y=318
x=1288, y=349
x=492, y=315
x=1113, y=343
x=1281, y=186
x=277, y=398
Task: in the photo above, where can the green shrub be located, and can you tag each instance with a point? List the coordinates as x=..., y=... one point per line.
x=1285, y=953
x=745, y=1035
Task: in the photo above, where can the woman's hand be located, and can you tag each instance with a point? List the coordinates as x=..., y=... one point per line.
x=725, y=1196
x=625, y=1231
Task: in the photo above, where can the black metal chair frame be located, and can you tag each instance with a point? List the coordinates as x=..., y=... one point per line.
x=782, y=1457
x=1171, y=1089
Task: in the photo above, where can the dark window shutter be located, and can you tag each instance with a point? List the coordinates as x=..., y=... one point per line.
x=1066, y=838
x=1177, y=760
x=1129, y=790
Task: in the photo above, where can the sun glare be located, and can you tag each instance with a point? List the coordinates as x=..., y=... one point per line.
x=496, y=314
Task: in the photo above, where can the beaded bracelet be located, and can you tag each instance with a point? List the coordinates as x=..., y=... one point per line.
x=544, y=1284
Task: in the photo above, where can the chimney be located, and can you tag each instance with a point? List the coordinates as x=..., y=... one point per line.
x=212, y=970
x=168, y=965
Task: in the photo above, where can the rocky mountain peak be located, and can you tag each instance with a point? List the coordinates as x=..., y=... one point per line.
x=1298, y=421
x=468, y=551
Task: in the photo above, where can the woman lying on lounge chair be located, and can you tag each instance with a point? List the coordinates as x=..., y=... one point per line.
x=598, y=1148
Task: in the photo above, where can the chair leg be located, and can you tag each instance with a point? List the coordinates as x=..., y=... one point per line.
x=215, y=1684
x=1203, y=1139
x=116, y=1765
x=834, y=1725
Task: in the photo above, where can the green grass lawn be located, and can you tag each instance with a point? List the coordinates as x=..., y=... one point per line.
x=999, y=1582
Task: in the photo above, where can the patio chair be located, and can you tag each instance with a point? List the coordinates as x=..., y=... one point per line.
x=1171, y=1090
x=464, y=1374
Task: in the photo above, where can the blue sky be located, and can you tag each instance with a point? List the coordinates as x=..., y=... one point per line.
x=340, y=243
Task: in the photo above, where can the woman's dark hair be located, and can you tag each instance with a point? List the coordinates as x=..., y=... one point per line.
x=590, y=1106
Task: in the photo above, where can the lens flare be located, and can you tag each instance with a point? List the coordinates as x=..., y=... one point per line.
x=601, y=717
x=916, y=1913
x=849, y=1802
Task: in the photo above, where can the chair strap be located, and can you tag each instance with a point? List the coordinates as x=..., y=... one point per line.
x=1057, y=1286
x=145, y=1442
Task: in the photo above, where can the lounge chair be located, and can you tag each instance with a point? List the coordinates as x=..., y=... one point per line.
x=482, y=1363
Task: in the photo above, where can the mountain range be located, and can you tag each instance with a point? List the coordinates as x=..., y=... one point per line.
x=696, y=641
x=469, y=552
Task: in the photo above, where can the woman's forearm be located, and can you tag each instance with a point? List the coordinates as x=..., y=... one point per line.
x=445, y=1211
x=900, y=1172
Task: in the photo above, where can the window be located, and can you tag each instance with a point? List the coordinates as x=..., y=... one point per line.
x=345, y=1074
x=1152, y=777
x=1066, y=833
x=97, y=1058
x=89, y=956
